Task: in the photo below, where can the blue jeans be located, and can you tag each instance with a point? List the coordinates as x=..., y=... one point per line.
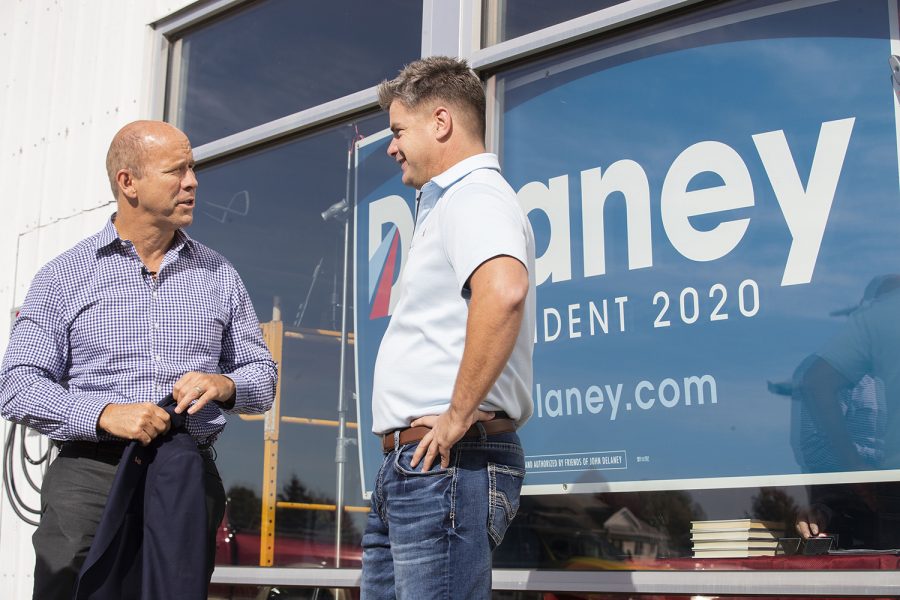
x=430, y=535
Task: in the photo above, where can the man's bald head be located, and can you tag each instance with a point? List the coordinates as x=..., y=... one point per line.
x=128, y=149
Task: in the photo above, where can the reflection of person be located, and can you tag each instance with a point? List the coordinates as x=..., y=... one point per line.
x=453, y=375
x=851, y=390
x=844, y=511
x=114, y=324
x=863, y=413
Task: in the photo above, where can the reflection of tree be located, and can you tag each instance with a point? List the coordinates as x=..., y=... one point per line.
x=310, y=524
x=244, y=508
x=772, y=504
x=553, y=531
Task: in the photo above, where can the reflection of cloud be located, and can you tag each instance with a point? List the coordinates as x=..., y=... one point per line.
x=651, y=109
x=808, y=70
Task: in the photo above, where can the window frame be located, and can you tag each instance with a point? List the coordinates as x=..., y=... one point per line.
x=713, y=583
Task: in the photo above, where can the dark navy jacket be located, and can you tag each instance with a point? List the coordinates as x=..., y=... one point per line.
x=151, y=541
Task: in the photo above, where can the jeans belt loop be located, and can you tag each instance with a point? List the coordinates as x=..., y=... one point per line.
x=482, y=434
x=396, y=439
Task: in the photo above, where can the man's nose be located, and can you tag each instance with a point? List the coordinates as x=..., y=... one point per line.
x=190, y=180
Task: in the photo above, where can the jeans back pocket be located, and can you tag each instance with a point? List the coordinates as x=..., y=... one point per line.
x=506, y=486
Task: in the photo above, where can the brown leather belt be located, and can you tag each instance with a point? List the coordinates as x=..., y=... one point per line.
x=411, y=435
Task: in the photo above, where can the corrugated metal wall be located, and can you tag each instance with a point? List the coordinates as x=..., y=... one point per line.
x=72, y=72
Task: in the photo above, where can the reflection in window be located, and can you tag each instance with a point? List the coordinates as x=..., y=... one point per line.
x=799, y=359
x=277, y=57
x=263, y=211
x=652, y=530
x=505, y=19
x=283, y=592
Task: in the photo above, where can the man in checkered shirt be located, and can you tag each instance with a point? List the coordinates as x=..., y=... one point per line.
x=110, y=327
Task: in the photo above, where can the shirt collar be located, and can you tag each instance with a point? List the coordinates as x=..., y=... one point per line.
x=183, y=240
x=432, y=191
x=109, y=234
x=485, y=160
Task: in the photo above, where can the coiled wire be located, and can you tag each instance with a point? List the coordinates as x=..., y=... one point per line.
x=19, y=506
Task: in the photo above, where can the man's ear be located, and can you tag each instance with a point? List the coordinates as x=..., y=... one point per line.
x=443, y=122
x=125, y=181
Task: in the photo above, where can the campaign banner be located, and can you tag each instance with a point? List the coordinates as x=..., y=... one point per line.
x=712, y=198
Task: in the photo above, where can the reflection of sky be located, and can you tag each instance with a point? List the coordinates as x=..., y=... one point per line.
x=275, y=247
x=524, y=16
x=278, y=57
x=278, y=243
x=788, y=72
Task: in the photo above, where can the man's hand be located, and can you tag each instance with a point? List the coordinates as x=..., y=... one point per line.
x=446, y=430
x=142, y=422
x=202, y=388
x=499, y=290
x=812, y=520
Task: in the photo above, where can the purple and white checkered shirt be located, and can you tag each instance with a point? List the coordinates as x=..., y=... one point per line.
x=96, y=329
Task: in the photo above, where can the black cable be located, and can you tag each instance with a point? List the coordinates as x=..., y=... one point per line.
x=9, y=485
x=9, y=492
x=23, y=456
x=9, y=478
x=45, y=457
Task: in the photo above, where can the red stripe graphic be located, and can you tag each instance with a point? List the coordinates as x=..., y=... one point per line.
x=382, y=302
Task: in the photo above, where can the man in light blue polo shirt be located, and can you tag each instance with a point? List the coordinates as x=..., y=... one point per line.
x=454, y=372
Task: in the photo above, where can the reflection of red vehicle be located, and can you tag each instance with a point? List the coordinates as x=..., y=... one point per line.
x=242, y=548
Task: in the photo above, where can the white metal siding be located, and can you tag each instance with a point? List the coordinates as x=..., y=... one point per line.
x=72, y=72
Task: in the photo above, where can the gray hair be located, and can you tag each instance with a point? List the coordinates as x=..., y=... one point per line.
x=440, y=78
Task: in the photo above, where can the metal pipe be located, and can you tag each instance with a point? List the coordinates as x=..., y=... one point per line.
x=322, y=507
x=301, y=421
x=341, y=450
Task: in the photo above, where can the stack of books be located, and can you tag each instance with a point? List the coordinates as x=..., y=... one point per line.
x=735, y=538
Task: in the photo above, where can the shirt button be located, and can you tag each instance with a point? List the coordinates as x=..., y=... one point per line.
x=156, y=326
x=158, y=358
x=154, y=294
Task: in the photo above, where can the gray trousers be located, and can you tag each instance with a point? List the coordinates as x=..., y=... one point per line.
x=73, y=496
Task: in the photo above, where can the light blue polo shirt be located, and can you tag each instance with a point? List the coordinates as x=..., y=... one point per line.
x=467, y=215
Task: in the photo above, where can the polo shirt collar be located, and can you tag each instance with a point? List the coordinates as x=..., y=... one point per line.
x=486, y=160
x=432, y=191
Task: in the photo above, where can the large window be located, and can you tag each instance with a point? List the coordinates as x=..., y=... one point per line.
x=276, y=57
x=264, y=212
x=714, y=193
x=275, y=212
x=716, y=232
